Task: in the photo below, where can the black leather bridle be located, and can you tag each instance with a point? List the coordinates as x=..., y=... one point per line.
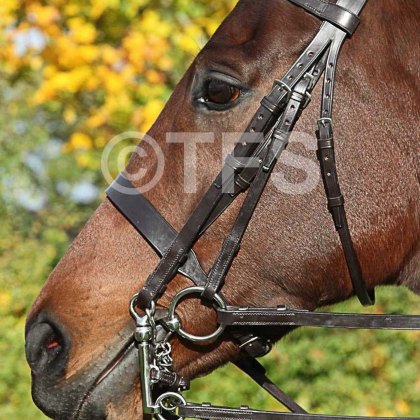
x=247, y=168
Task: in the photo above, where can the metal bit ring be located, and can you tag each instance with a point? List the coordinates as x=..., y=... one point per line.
x=174, y=323
x=169, y=396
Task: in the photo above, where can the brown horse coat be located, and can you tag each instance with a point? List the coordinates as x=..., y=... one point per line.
x=291, y=247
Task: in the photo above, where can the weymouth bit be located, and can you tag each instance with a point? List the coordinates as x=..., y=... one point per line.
x=154, y=357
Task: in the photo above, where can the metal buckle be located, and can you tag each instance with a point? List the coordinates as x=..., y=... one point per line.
x=264, y=345
x=285, y=87
x=173, y=323
x=308, y=98
x=323, y=121
x=310, y=78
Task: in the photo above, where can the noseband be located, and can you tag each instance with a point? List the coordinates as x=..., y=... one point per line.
x=247, y=168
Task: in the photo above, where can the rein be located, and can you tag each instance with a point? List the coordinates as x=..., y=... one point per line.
x=248, y=167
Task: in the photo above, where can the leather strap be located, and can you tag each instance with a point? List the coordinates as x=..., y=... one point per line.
x=258, y=374
x=326, y=157
x=330, y=12
x=283, y=316
x=279, y=141
x=198, y=221
x=251, y=345
x=207, y=411
x=138, y=210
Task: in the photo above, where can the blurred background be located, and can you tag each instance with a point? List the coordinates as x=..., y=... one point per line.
x=74, y=73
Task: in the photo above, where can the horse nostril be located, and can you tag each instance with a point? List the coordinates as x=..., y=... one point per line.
x=45, y=346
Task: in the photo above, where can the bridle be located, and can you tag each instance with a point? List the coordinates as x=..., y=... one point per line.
x=248, y=167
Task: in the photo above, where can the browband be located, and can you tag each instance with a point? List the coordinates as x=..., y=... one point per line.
x=337, y=15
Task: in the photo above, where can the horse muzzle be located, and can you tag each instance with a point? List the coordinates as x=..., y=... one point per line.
x=83, y=395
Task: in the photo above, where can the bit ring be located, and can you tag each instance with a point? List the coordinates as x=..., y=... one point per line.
x=171, y=408
x=174, y=324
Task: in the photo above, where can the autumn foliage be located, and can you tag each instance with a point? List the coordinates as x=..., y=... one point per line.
x=102, y=66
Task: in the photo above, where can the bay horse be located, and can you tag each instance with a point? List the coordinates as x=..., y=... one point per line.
x=79, y=326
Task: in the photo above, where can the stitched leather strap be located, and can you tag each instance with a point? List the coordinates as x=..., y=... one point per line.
x=207, y=411
x=330, y=12
x=326, y=156
x=138, y=210
x=283, y=316
x=279, y=141
x=198, y=221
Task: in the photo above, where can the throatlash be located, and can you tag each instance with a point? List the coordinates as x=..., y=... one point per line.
x=248, y=168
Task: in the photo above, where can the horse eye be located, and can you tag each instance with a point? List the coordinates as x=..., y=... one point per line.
x=221, y=93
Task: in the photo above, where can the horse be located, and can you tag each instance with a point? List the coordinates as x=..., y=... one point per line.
x=79, y=327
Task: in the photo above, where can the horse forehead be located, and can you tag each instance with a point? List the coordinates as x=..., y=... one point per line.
x=254, y=31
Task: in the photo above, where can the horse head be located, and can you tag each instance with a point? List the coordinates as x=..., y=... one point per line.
x=79, y=331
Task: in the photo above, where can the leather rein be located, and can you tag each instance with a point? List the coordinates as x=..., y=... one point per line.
x=248, y=167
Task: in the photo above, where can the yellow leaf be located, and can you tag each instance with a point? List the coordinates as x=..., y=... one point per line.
x=96, y=120
x=114, y=83
x=98, y=7
x=88, y=53
x=43, y=15
x=188, y=44
x=36, y=63
x=150, y=112
x=80, y=141
x=71, y=9
x=81, y=31
x=109, y=54
x=152, y=23
x=165, y=63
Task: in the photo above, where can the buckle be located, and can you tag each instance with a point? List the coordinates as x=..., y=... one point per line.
x=323, y=121
x=311, y=81
x=308, y=98
x=285, y=87
x=256, y=346
x=310, y=78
